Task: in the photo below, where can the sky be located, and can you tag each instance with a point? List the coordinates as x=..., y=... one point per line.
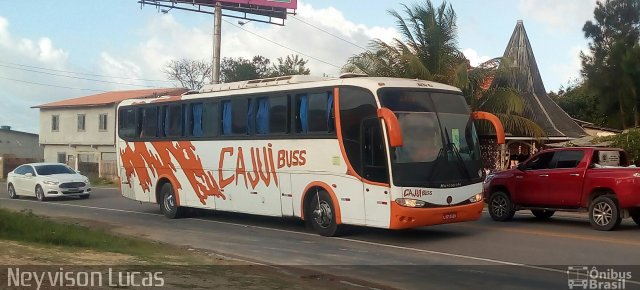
x=54, y=50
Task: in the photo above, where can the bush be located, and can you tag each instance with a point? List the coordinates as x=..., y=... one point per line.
x=629, y=141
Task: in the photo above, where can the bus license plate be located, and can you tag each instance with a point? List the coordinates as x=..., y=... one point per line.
x=449, y=216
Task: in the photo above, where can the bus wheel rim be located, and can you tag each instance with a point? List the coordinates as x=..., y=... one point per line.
x=169, y=203
x=325, y=215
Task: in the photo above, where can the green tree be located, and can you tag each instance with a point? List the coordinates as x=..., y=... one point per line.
x=613, y=35
x=242, y=69
x=291, y=65
x=580, y=102
x=428, y=50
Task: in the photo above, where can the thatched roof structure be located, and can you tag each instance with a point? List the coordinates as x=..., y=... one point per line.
x=525, y=77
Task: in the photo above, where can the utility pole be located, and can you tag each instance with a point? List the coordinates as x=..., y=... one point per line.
x=217, y=39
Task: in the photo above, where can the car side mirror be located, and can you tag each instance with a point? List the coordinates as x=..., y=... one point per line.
x=521, y=167
x=29, y=174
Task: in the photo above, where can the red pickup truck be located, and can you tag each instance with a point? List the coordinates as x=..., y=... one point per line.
x=597, y=180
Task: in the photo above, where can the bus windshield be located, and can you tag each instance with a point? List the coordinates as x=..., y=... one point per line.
x=440, y=144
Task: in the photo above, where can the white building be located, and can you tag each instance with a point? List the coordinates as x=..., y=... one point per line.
x=81, y=132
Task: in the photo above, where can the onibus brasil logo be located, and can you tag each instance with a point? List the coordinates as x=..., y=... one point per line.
x=583, y=277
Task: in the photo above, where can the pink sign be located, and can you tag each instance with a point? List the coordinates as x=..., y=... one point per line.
x=289, y=4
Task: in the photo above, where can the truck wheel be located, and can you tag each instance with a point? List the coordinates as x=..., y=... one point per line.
x=322, y=215
x=604, y=214
x=542, y=214
x=500, y=207
x=168, y=205
x=635, y=215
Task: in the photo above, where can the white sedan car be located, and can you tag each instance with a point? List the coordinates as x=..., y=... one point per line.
x=44, y=180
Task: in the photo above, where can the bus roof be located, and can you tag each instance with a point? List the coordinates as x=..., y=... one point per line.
x=296, y=82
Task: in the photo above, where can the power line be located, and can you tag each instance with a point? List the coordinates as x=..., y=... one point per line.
x=49, y=85
x=79, y=78
x=278, y=44
x=327, y=32
x=87, y=74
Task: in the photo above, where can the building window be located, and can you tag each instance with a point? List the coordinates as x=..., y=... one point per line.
x=62, y=156
x=55, y=123
x=102, y=121
x=81, y=122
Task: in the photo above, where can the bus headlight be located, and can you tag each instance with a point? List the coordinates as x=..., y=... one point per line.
x=408, y=202
x=476, y=198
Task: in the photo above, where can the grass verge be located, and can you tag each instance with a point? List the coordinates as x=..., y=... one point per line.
x=24, y=226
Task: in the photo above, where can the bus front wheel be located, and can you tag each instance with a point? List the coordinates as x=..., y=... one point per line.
x=168, y=205
x=322, y=215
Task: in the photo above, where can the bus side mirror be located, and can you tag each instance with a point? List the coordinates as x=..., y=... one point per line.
x=479, y=115
x=392, y=125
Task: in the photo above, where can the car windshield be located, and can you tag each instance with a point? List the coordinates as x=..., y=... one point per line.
x=53, y=169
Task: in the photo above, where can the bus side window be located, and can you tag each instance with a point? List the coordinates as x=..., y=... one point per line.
x=262, y=116
x=251, y=116
x=173, y=121
x=279, y=115
x=149, y=122
x=302, y=118
x=210, y=117
x=234, y=117
x=318, y=113
x=196, y=124
x=226, y=118
x=128, y=123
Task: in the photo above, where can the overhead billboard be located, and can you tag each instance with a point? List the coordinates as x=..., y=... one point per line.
x=288, y=4
x=268, y=8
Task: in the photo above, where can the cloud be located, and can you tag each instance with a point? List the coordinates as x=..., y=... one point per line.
x=474, y=58
x=19, y=92
x=324, y=37
x=568, y=72
x=565, y=15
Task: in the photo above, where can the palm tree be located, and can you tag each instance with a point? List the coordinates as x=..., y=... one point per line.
x=429, y=51
x=484, y=90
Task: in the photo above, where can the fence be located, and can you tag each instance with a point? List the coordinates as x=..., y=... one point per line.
x=9, y=162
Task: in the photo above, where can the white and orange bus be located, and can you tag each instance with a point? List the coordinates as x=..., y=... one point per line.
x=379, y=152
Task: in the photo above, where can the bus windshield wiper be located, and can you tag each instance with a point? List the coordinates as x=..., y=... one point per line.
x=456, y=152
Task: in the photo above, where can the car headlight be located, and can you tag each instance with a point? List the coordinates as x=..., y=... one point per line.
x=489, y=178
x=50, y=182
x=476, y=198
x=409, y=202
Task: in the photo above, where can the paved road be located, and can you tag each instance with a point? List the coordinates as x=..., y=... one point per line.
x=522, y=254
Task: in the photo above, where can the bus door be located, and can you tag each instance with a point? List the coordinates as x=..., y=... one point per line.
x=375, y=173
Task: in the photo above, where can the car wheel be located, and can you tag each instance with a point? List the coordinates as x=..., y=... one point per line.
x=542, y=214
x=635, y=215
x=40, y=193
x=12, y=192
x=321, y=213
x=604, y=214
x=84, y=196
x=500, y=207
x=168, y=205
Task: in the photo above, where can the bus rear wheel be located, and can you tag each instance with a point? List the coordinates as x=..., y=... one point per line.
x=168, y=205
x=322, y=215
